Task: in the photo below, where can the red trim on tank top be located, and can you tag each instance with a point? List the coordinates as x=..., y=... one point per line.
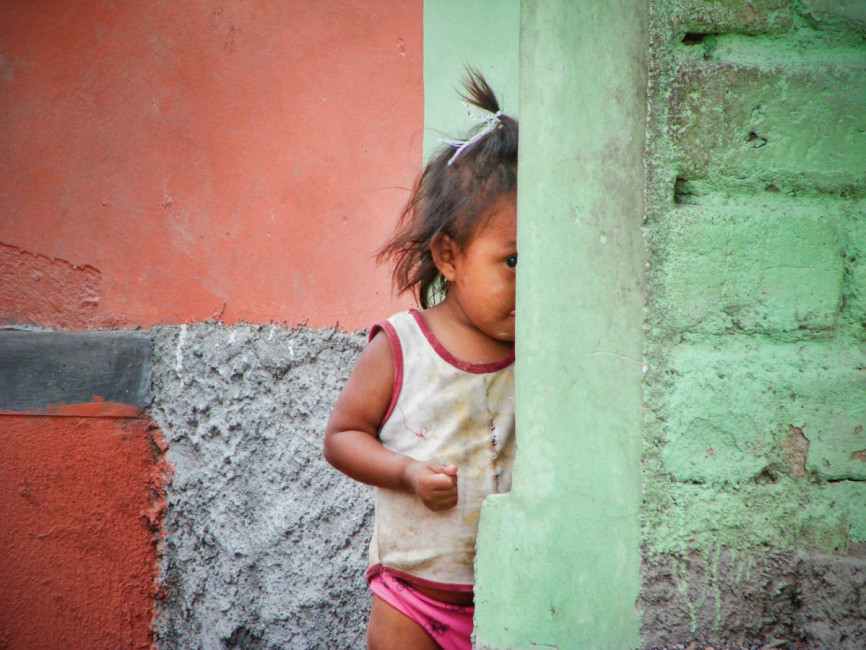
x=397, y=356
x=476, y=368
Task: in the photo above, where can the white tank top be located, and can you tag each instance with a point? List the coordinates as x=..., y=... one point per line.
x=453, y=412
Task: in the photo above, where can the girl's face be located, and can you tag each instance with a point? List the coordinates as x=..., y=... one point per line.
x=484, y=273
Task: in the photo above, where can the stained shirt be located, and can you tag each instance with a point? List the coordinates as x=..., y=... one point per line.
x=453, y=412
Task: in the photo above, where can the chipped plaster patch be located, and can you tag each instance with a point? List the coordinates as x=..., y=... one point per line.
x=44, y=292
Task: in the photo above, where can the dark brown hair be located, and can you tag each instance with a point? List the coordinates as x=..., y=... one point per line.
x=453, y=196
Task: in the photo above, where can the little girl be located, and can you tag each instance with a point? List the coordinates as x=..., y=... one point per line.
x=427, y=416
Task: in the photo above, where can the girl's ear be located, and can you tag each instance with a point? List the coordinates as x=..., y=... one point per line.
x=445, y=250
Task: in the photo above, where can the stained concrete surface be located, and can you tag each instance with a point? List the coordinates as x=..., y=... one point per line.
x=265, y=544
x=745, y=600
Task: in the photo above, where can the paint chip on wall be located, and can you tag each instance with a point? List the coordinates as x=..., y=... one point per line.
x=44, y=292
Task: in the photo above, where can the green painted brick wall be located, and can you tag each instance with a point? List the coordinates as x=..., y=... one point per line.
x=733, y=405
x=756, y=346
x=790, y=117
x=714, y=16
x=754, y=465
x=761, y=263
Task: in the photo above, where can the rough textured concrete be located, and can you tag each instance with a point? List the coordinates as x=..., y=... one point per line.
x=752, y=597
x=831, y=600
x=754, y=488
x=815, y=601
x=265, y=544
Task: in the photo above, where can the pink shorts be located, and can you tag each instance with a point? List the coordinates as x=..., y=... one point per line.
x=450, y=626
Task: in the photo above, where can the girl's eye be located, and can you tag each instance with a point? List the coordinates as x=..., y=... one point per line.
x=511, y=261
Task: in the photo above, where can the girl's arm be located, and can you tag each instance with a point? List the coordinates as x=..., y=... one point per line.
x=351, y=437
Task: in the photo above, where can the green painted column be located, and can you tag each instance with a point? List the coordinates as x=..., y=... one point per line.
x=482, y=33
x=558, y=558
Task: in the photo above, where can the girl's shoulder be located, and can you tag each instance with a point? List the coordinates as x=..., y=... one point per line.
x=401, y=326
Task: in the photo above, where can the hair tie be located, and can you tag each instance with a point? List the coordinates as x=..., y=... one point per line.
x=492, y=121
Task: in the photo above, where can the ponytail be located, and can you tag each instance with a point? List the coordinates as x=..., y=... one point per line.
x=454, y=193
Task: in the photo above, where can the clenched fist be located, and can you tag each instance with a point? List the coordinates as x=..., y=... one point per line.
x=434, y=483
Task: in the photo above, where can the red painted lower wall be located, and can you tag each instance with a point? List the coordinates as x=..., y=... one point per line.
x=81, y=499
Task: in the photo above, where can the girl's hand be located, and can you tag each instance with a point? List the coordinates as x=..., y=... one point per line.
x=351, y=437
x=434, y=483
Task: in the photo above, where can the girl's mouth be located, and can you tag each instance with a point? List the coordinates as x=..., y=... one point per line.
x=512, y=313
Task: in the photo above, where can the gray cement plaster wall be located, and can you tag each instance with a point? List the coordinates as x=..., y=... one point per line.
x=265, y=544
x=794, y=600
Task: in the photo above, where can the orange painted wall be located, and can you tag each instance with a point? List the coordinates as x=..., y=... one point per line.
x=81, y=499
x=180, y=161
